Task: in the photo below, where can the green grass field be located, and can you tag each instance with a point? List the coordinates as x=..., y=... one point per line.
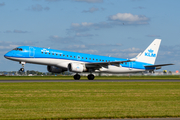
x=85, y=78
x=72, y=100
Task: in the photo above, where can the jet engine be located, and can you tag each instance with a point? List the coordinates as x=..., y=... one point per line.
x=76, y=67
x=55, y=69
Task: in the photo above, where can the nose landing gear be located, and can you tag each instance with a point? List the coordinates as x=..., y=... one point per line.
x=22, y=69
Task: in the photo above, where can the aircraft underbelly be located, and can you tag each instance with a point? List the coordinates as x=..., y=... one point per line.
x=114, y=69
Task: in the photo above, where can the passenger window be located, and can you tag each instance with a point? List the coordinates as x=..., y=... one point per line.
x=103, y=60
x=89, y=58
x=70, y=56
x=82, y=57
x=56, y=54
x=100, y=60
x=74, y=56
x=63, y=55
x=52, y=53
x=42, y=52
x=49, y=53
x=59, y=54
x=45, y=52
x=67, y=55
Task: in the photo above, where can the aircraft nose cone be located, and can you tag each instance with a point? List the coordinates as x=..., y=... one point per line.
x=9, y=54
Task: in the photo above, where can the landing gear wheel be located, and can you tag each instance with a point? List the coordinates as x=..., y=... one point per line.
x=21, y=70
x=77, y=77
x=152, y=72
x=90, y=77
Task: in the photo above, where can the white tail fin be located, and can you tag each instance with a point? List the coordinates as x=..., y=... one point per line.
x=150, y=54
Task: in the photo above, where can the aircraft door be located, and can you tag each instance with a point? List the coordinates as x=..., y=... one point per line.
x=31, y=52
x=130, y=65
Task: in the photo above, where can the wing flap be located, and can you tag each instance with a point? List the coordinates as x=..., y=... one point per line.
x=101, y=64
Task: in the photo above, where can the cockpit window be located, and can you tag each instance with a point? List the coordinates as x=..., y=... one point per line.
x=18, y=49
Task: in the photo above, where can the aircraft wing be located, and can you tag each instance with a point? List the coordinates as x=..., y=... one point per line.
x=101, y=64
x=158, y=65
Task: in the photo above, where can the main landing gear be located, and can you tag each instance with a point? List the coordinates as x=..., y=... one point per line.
x=77, y=77
x=90, y=77
x=22, y=69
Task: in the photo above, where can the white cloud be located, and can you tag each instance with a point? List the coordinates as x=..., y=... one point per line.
x=86, y=24
x=83, y=35
x=114, y=21
x=133, y=49
x=123, y=53
x=75, y=24
x=90, y=1
x=128, y=17
x=38, y=7
x=82, y=27
x=8, y=47
x=76, y=47
x=15, y=31
x=91, y=10
x=71, y=39
x=83, y=24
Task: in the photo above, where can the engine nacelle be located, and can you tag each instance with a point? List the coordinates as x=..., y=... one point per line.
x=76, y=67
x=55, y=69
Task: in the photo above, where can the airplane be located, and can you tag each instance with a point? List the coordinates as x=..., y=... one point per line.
x=58, y=61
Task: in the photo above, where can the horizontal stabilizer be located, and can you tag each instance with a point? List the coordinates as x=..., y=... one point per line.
x=158, y=65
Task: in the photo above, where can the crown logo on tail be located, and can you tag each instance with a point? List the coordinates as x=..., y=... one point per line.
x=150, y=53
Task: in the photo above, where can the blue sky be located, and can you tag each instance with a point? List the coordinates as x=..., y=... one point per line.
x=117, y=28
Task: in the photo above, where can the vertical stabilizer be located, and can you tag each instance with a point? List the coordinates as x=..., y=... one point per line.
x=150, y=54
